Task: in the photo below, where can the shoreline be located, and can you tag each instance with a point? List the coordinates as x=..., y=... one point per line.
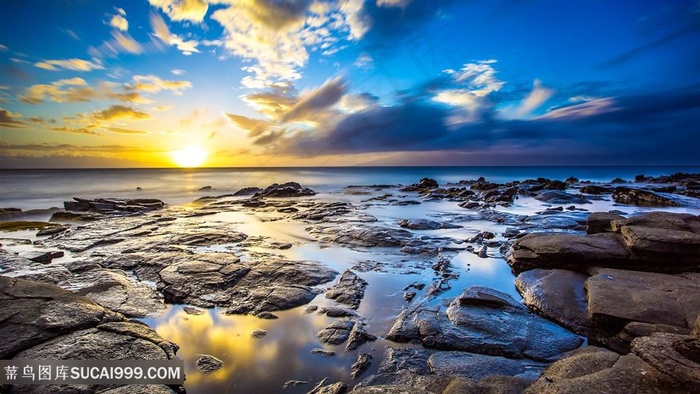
x=135, y=256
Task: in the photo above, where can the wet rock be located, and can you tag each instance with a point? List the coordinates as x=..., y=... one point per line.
x=273, y=298
x=409, y=295
x=258, y=333
x=478, y=366
x=425, y=224
x=248, y=191
x=335, y=388
x=600, y=222
x=205, y=188
x=289, y=189
x=39, y=256
x=349, y=290
x=293, y=383
x=334, y=311
x=33, y=312
x=15, y=266
x=63, y=216
x=560, y=197
x=616, y=297
x=364, y=236
x=358, y=336
x=566, y=251
x=363, y=362
x=141, y=389
x=596, y=189
x=336, y=333
x=662, y=236
x=496, y=384
x=556, y=294
x=484, y=321
x=190, y=310
x=113, y=205
x=596, y=370
x=677, y=356
x=425, y=185
x=208, y=364
x=193, y=280
x=641, y=197
x=116, y=291
x=324, y=210
x=323, y=352
x=266, y=315
x=637, y=329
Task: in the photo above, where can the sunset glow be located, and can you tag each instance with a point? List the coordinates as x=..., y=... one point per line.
x=348, y=82
x=191, y=156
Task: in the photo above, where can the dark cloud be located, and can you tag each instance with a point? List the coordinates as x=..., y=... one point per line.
x=77, y=130
x=652, y=127
x=119, y=112
x=254, y=127
x=316, y=101
x=8, y=119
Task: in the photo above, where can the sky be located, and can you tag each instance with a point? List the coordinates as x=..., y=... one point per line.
x=223, y=83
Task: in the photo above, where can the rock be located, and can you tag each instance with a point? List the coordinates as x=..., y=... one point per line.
x=266, y=315
x=556, y=294
x=208, y=364
x=32, y=313
x=337, y=333
x=63, y=216
x=484, y=321
x=43, y=257
x=478, y=366
x=596, y=370
x=293, y=383
x=560, y=197
x=113, y=205
x=616, y=297
x=600, y=222
x=258, y=333
x=116, y=291
x=641, y=197
x=140, y=389
x=424, y=185
x=493, y=384
x=349, y=290
x=567, y=251
x=190, y=310
x=361, y=365
x=677, y=356
x=335, y=388
x=364, y=236
x=358, y=336
x=596, y=189
x=289, y=189
x=425, y=224
x=323, y=352
x=409, y=295
x=248, y=191
x=334, y=311
x=662, y=237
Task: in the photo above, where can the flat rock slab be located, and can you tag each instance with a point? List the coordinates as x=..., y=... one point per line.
x=336, y=333
x=665, y=352
x=556, y=294
x=478, y=366
x=566, y=250
x=653, y=241
x=349, y=290
x=32, y=313
x=596, y=370
x=485, y=321
x=616, y=297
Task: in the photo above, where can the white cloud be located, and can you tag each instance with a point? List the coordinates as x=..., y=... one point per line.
x=364, y=61
x=589, y=108
x=119, y=21
x=480, y=77
x=534, y=100
x=393, y=3
x=178, y=72
x=153, y=84
x=162, y=32
x=183, y=10
x=3, y=48
x=61, y=91
x=69, y=64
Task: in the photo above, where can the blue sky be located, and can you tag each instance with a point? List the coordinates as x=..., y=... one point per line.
x=377, y=82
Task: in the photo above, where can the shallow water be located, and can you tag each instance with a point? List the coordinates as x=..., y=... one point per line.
x=284, y=353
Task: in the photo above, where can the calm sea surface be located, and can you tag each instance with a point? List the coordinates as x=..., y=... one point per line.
x=31, y=189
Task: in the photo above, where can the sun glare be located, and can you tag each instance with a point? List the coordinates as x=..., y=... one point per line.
x=191, y=156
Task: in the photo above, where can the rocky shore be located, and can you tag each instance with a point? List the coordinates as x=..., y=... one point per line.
x=609, y=299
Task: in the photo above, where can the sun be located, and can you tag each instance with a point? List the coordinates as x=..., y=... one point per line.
x=191, y=156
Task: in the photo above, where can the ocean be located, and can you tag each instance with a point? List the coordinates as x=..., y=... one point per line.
x=45, y=188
